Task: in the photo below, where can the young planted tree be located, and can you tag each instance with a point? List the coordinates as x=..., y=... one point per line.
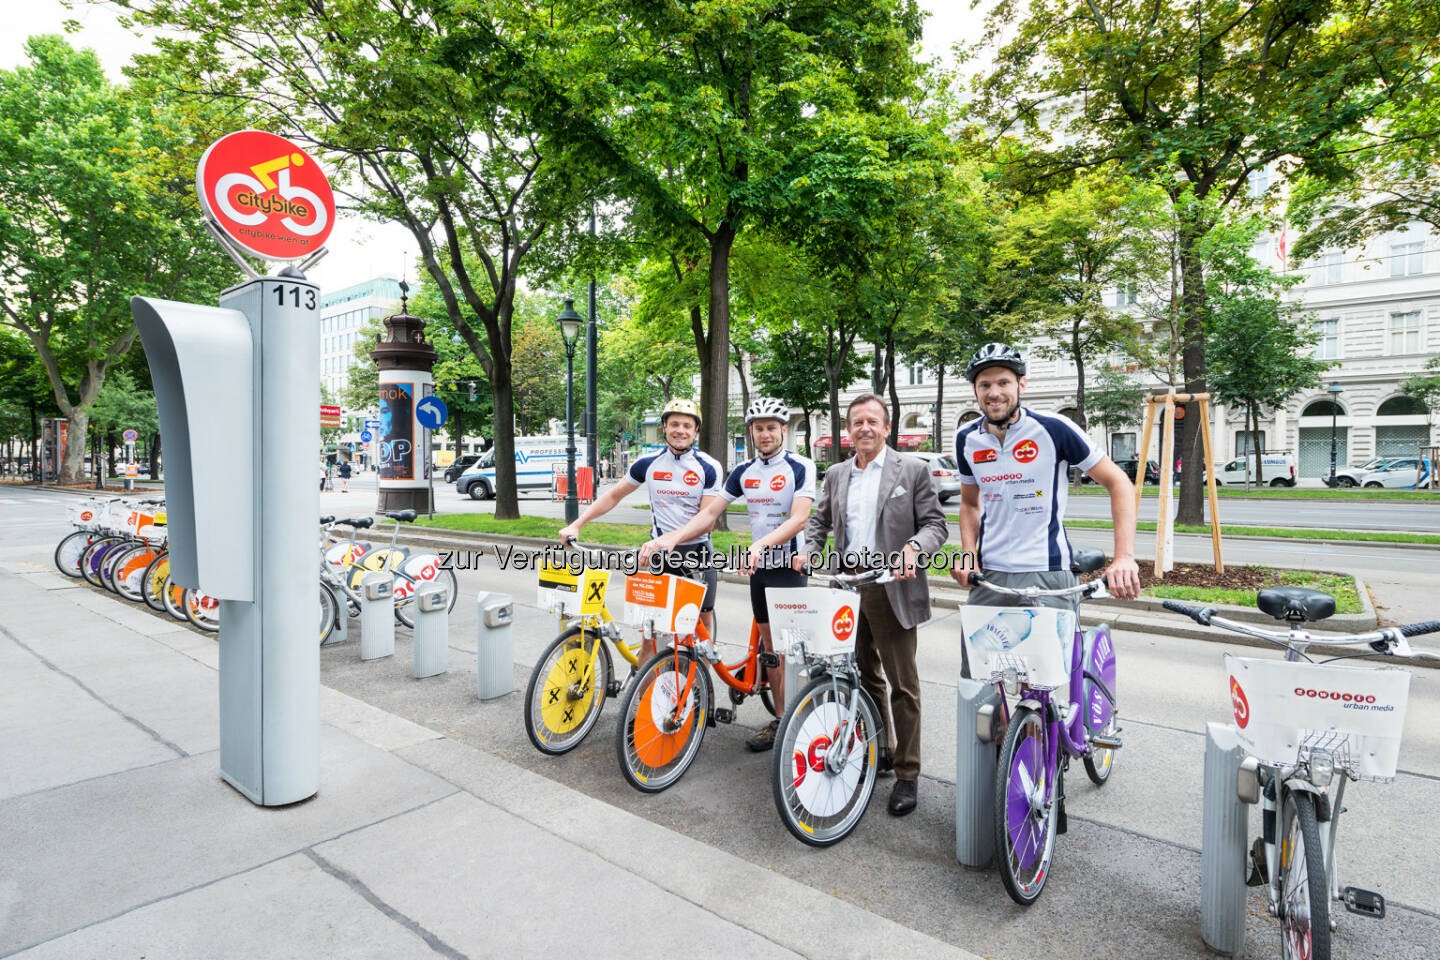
x=92, y=212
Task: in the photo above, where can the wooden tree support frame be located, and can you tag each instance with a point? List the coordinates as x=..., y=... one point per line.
x=1164, y=525
x=1431, y=455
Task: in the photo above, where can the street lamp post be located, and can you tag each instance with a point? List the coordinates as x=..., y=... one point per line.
x=569, y=328
x=1334, y=392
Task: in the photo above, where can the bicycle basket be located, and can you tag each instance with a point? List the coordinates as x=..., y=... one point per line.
x=819, y=620
x=671, y=602
x=1036, y=643
x=558, y=590
x=1285, y=709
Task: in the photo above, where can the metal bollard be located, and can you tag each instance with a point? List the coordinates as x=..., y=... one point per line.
x=341, y=633
x=1225, y=826
x=377, y=615
x=495, y=650
x=432, y=630
x=977, y=717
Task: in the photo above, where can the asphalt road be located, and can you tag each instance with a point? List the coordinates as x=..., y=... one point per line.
x=1125, y=881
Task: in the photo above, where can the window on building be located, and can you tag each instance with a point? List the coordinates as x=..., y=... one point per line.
x=1405, y=332
x=917, y=374
x=1259, y=182
x=1127, y=294
x=1327, y=269
x=1244, y=438
x=1328, y=346
x=1122, y=446
x=1407, y=259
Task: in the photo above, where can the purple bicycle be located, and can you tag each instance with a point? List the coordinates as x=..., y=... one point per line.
x=1062, y=680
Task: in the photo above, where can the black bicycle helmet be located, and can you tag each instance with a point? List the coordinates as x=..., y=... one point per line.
x=995, y=355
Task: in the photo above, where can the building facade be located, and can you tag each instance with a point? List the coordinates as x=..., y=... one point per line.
x=342, y=313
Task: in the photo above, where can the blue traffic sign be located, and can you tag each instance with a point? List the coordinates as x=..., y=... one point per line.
x=432, y=413
x=365, y=437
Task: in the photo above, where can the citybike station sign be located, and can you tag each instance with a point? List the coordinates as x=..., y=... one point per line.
x=247, y=373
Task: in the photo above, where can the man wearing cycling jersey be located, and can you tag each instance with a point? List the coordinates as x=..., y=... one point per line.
x=1014, y=464
x=681, y=481
x=778, y=487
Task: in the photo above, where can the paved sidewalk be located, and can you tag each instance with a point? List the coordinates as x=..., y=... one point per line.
x=121, y=840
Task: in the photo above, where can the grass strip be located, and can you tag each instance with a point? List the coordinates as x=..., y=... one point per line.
x=1287, y=533
x=1290, y=493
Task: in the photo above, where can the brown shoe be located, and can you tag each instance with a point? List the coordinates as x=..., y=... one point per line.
x=764, y=738
x=902, y=798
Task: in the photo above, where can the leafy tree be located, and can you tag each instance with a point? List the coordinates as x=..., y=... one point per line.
x=785, y=369
x=1116, y=401
x=1425, y=387
x=93, y=213
x=1205, y=95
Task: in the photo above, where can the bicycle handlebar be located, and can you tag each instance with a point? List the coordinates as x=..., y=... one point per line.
x=1084, y=590
x=1388, y=640
x=1416, y=629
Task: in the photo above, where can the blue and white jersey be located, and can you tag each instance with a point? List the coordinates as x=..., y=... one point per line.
x=769, y=488
x=1023, y=488
x=676, y=486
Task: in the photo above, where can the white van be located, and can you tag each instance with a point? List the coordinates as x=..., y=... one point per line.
x=1277, y=469
x=535, y=460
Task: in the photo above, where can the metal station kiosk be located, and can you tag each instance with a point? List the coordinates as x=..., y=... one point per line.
x=238, y=389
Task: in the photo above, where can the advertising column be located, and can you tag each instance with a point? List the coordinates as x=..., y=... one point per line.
x=402, y=446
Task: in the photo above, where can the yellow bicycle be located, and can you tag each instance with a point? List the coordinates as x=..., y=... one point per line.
x=575, y=674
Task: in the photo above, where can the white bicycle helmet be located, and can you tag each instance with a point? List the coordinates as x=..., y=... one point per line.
x=995, y=355
x=767, y=408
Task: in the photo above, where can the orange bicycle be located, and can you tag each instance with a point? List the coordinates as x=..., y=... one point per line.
x=670, y=702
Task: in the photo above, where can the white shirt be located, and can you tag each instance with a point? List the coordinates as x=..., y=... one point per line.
x=862, y=503
x=770, y=488
x=676, y=485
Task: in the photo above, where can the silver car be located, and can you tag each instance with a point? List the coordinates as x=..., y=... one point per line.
x=944, y=472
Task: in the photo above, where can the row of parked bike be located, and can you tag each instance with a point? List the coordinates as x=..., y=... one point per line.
x=120, y=545
x=1309, y=724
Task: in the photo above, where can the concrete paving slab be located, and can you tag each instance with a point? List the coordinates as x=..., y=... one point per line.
x=370, y=724
x=253, y=914
x=55, y=732
x=95, y=849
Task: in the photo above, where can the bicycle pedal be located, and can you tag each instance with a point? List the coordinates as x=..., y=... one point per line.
x=770, y=661
x=613, y=688
x=1106, y=742
x=1259, y=875
x=721, y=715
x=1367, y=903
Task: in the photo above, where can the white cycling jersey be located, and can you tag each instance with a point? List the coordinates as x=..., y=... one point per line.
x=1023, y=488
x=676, y=486
x=770, y=488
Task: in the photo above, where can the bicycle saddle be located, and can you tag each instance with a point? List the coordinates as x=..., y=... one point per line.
x=1295, y=603
x=359, y=523
x=403, y=516
x=327, y=519
x=1087, y=560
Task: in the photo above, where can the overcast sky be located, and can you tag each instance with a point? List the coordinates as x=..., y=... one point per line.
x=359, y=249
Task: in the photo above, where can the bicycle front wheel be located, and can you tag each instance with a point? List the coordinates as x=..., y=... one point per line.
x=202, y=610
x=68, y=552
x=821, y=792
x=155, y=576
x=662, y=719
x=567, y=690
x=329, y=613
x=1304, y=892
x=1024, y=822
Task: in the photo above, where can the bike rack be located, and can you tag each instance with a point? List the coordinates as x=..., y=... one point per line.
x=977, y=707
x=377, y=615
x=495, y=649
x=1225, y=828
x=432, y=630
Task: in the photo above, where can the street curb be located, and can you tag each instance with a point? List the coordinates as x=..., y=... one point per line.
x=1120, y=614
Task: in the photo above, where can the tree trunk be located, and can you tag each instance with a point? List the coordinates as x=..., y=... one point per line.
x=155, y=456
x=34, y=443
x=1192, y=506
x=715, y=368
x=1249, y=443
x=507, y=500
x=894, y=391
x=1259, y=447
x=744, y=397
x=72, y=469
x=937, y=422
x=809, y=448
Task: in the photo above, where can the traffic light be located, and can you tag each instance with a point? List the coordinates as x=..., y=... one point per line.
x=474, y=391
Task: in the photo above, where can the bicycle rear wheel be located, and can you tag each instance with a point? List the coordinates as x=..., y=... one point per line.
x=1304, y=892
x=69, y=550
x=108, y=566
x=155, y=576
x=93, y=556
x=820, y=802
x=329, y=613
x=202, y=610
x=129, y=572
x=662, y=719
x=567, y=690
x=173, y=596
x=1024, y=825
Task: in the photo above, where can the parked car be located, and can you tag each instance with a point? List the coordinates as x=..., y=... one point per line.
x=452, y=472
x=1402, y=472
x=1350, y=476
x=1277, y=469
x=1152, y=471
x=945, y=473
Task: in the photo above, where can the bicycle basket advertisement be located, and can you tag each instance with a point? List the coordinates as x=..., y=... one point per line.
x=672, y=602
x=821, y=619
x=559, y=590
x=1284, y=709
x=1036, y=642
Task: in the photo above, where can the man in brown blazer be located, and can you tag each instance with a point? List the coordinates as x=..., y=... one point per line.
x=882, y=504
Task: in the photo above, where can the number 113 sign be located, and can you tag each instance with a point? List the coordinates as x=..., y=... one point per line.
x=269, y=196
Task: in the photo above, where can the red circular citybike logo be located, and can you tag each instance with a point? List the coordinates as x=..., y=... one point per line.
x=267, y=194
x=1025, y=451
x=843, y=623
x=1240, y=705
x=691, y=478
x=777, y=482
